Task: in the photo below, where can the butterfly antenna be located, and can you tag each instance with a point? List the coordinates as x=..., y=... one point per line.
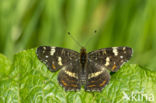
x=95, y=31
x=74, y=39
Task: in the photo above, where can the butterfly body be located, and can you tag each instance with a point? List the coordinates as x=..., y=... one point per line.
x=88, y=69
x=83, y=62
x=83, y=57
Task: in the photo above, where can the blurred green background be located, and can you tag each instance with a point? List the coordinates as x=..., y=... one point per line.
x=26, y=24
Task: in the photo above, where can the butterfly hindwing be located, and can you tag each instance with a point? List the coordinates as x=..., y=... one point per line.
x=111, y=58
x=55, y=57
x=97, y=77
x=69, y=76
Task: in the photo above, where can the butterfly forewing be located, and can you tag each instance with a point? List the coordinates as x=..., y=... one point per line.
x=56, y=57
x=111, y=58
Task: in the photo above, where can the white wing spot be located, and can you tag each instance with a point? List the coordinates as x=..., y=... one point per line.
x=52, y=51
x=115, y=51
x=121, y=57
x=46, y=56
x=107, y=61
x=124, y=48
x=71, y=74
x=63, y=68
x=44, y=48
x=104, y=52
x=60, y=61
x=92, y=75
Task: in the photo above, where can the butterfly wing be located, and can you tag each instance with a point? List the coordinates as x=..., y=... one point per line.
x=97, y=77
x=69, y=76
x=111, y=58
x=55, y=57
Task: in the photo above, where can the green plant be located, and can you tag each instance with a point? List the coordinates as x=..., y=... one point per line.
x=29, y=80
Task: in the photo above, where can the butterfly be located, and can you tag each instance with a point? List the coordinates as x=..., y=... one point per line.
x=92, y=70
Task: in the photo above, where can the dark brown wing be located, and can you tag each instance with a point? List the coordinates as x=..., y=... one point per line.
x=56, y=57
x=111, y=58
x=97, y=77
x=69, y=76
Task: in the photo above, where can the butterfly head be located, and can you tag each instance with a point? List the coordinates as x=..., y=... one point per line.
x=83, y=50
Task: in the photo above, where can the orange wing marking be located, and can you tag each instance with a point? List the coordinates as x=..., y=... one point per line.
x=114, y=67
x=103, y=83
x=92, y=85
x=73, y=85
x=64, y=83
x=53, y=66
x=92, y=81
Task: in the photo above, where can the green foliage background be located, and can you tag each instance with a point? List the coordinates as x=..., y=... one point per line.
x=26, y=24
x=30, y=23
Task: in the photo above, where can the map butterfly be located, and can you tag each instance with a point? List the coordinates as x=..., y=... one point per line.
x=92, y=70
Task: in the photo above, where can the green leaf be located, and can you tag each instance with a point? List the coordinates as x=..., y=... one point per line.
x=4, y=66
x=28, y=80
